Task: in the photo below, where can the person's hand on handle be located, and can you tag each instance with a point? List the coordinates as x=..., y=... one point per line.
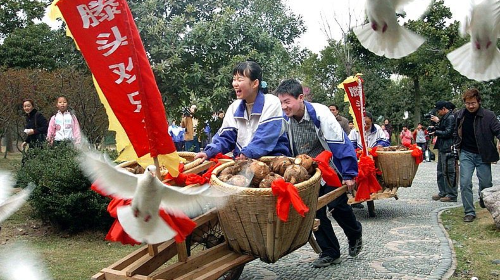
x=241, y=156
x=350, y=184
x=201, y=155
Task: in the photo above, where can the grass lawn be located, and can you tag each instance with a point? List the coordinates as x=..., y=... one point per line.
x=477, y=244
x=66, y=257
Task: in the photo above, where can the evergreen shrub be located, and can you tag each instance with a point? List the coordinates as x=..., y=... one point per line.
x=62, y=196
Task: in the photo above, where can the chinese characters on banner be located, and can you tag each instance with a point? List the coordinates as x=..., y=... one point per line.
x=109, y=41
x=354, y=89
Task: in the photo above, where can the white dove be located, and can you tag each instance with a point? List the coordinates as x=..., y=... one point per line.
x=10, y=203
x=19, y=261
x=383, y=35
x=480, y=58
x=140, y=219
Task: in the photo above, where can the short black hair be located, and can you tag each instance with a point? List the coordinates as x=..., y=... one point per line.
x=369, y=115
x=291, y=87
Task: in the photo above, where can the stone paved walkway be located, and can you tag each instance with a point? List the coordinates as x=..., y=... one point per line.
x=404, y=241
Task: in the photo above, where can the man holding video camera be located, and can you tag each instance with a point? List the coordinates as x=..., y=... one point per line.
x=475, y=134
x=446, y=174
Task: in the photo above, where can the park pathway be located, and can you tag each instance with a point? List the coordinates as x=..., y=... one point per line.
x=404, y=241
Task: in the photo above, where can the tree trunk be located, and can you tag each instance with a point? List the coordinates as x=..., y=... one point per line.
x=418, y=103
x=9, y=147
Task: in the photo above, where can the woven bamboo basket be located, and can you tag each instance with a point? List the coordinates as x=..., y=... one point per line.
x=251, y=225
x=398, y=168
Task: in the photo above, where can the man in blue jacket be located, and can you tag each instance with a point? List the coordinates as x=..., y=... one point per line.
x=475, y=132
x=312, y=129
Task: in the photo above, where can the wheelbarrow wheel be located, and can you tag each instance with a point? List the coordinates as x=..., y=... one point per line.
x=371, y=208
x=207, y=236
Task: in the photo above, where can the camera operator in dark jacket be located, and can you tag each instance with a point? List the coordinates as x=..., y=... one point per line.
x=475, y=134
x=446, y=159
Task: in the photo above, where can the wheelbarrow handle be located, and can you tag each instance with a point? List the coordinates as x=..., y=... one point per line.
x=329, y=197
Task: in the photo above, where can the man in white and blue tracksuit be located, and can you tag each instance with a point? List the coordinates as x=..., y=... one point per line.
x=312, y=129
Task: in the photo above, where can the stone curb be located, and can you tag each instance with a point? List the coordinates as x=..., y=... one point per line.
x=446, y=241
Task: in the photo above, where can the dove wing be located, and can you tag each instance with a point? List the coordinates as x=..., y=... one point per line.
x=11, y=204
x=6, y=183
x=191, y=201
x=399, y=4
x=496, y=16
x=465, y=22
x=110, y=179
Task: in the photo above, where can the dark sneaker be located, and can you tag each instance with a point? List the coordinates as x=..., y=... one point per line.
x=325, y=261
x=469, y=218
x=355, y=247
x=436, y=197
x=447, y=199
x=357, y=205
x=481, y=203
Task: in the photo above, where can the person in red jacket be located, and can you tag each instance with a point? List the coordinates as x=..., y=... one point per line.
x=406, y=137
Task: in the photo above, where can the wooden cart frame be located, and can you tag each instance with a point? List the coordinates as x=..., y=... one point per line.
x=171, y=260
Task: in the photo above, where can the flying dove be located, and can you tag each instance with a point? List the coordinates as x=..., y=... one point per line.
x=480, y=58
x=11, y=203
x=19, y=261
x=140, y=219
x=383, y=35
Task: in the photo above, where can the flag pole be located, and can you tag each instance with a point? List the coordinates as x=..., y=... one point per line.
x=158, y=171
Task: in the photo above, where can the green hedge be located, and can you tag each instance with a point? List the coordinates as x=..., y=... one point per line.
x=62, y=195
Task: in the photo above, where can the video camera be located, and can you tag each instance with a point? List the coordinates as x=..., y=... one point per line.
x=431, y=113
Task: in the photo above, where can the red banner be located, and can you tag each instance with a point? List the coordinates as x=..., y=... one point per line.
x=109, y=41
x=354, y=89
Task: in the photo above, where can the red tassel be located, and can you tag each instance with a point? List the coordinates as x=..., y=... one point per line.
x=287, y=193
x=366, y=180
x=327, y=172
x=416, y=152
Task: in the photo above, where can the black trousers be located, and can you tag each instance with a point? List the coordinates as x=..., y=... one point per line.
x=343, y=214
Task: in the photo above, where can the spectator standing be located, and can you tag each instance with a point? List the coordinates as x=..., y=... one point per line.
x=475, y=133
x=385, y=131
x=421, y=137
x=312, y=130
x=406, y=136
x=177, y=134
x=63, y=126
x=344, y=123
x=190, y=123
x=446, y=174
x=36, y=125
x=389, y=128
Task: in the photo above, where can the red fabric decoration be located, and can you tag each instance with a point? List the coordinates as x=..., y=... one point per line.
x=221, y=156
x=183, y=225
x=287, y=193
x=416, y=152
x=327, y=172
x=373, y=152
x=366, y=180
x=358, y=152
